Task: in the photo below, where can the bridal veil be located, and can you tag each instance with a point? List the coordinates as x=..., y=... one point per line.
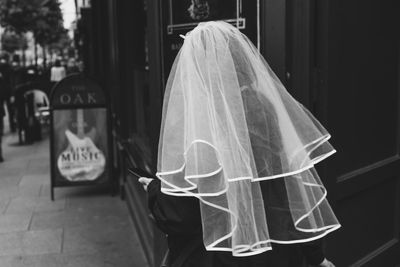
x=233, y=137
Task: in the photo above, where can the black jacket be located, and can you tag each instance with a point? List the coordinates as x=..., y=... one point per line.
x=179, y=218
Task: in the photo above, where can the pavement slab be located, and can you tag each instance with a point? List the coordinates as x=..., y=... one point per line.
x=30, y=204
x=31, y=242
x=32, y=190
x=14, y=222
x=9, y=192
x=103, y=203
x=3, y=204
x=98, y=239
x=20, y=191
x=76, y=218
x=9, y=180
x=66, y=260
x=35, y=179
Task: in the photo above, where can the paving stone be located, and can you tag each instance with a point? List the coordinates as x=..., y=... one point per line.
x=14, y=165
x=31, y=242
x=75, y=218
x=14, y=222
x=98, y=239
x=42, y=242
x=3, y=204
x=40, y=161
x=77, y=192
x=32, y=190
x=10, y=261
x=9, y=192
x=102, y=202
x=13, y=191
x=7, y=172
x=39, y=166
x=65, y=260
x=37, y=179
x=45, y=191
x=30, y=204
x=9, y=181
x=39, y=170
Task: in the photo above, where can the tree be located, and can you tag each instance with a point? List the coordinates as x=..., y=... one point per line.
x=48, y=27
x=12, y=41
x=19, y=15
x=42, y=17
x=64, y=43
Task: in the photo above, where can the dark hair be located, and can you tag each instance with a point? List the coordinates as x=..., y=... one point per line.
x=57, y=63
x=199, y=10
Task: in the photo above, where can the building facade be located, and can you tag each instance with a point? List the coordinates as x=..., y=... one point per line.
x=340, y=58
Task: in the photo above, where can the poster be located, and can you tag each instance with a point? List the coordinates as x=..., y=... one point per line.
x=181, y=16
x=186, y=14
x=80, y=145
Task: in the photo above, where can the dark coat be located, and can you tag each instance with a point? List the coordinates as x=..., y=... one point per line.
x=3, y=96
x=180, y=219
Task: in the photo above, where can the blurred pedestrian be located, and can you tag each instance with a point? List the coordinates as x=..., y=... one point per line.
x=57, y=72
x=17, y=72
x=3, y=97
x=17, y=79
x=6, y=73
x=30, y=74
x=236, y=159
x=21, y=111
x=72, y=66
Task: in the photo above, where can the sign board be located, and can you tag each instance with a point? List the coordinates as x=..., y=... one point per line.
x=80, y=136
x=181, y=16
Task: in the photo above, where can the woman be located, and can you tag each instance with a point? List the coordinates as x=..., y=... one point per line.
x=57, y=72
x=236, y=159
x=3, y=98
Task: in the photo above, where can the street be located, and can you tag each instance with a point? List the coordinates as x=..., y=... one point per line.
x=84, y=226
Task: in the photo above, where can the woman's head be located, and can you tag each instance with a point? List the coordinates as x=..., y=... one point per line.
x=227, y=123
x=217, y=46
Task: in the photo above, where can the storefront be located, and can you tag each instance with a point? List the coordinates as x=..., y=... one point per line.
x=339, y=58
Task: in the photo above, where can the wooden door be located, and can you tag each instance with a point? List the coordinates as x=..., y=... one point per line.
x=341, y=58
x=356, y=94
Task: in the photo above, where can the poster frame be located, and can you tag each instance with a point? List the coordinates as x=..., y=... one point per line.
x=103, y=103
x=171, y=30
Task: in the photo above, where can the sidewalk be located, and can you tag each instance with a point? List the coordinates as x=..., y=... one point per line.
x=83, y=227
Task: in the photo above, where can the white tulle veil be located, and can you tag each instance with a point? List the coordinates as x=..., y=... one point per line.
x=233, y=137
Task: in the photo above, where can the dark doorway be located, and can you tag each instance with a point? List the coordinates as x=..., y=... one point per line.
x=341, y=59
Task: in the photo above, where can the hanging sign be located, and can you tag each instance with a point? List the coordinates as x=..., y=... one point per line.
x=181, y=16
x=80, y=137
